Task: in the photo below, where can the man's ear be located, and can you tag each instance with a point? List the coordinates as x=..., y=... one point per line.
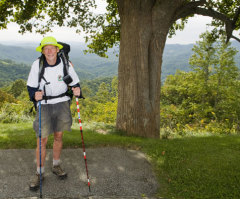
x=57, y=49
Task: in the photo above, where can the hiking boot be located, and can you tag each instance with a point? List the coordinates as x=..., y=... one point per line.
x=35, y=182
x=57, y=170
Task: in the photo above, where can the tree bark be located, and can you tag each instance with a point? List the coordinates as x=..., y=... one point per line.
x=144, y=28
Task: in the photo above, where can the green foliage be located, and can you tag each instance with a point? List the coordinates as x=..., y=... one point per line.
x=18, y=87
x=206, y=99
x=30, y=14
x=105, y=33
x=92, y=86
x=102, y=96
x=204, y=58
x=5, y=97
x=15, y=113
x=99, y=112
x=14, y=103
x=100, y=105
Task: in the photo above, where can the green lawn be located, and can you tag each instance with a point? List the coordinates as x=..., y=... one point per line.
x=187, y=168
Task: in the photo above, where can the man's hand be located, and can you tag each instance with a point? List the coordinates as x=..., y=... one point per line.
x=76, y=91
x=38, y=95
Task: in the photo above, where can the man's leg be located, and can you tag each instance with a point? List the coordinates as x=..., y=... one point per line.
x=57, y=148
x=57, y=145
x=43, y=152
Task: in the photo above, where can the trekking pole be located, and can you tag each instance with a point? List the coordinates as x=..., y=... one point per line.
x=40, y=147
x=83, y=146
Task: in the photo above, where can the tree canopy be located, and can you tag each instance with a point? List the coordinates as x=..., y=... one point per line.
x=103, y=30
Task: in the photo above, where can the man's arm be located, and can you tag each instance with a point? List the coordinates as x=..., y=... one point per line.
x=34, y=94
x=31, y=92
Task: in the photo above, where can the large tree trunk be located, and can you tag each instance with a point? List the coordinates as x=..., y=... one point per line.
x=144, y=28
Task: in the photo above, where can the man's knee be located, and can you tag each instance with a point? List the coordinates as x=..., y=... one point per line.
x=43, y=142
x=58, y=136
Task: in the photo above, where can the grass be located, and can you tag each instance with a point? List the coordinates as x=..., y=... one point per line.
x=193, y=167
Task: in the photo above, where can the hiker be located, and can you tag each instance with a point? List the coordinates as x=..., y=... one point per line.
x=51, y=89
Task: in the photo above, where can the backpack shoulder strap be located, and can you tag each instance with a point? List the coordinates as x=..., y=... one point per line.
x=63, y=53
x=41, y=69
x=65, y=62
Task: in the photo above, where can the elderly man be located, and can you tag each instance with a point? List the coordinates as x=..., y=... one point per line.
x=51, y=90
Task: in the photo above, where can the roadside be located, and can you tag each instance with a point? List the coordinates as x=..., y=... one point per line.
x=113, y=172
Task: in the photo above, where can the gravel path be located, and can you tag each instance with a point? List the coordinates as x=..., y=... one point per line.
x=113, y=172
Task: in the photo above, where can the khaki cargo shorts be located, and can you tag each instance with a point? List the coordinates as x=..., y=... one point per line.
x=54, y=118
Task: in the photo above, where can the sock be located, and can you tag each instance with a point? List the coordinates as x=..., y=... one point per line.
x=38, y=170
x=56, y=162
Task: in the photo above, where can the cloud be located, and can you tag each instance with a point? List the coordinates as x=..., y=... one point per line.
x=195, y=26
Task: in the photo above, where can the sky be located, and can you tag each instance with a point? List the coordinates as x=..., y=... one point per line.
x=190, y=34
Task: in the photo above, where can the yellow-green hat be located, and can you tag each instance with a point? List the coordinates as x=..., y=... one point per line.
x=48, y=41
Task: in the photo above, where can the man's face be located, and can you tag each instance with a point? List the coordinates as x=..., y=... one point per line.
x=50, y=53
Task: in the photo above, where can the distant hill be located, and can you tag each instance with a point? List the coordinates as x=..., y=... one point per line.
x=89, y=66
x=175, y=57
x=18, y=54
x=10, y=71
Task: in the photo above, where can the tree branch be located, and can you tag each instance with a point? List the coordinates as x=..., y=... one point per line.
x=235, y=38
x=229, y=26
x=192, y=8
x=205, y=12
x=187, y=9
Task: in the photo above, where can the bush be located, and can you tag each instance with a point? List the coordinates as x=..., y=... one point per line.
x=15, y=113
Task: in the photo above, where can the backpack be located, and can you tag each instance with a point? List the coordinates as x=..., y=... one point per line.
x=63, y=54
